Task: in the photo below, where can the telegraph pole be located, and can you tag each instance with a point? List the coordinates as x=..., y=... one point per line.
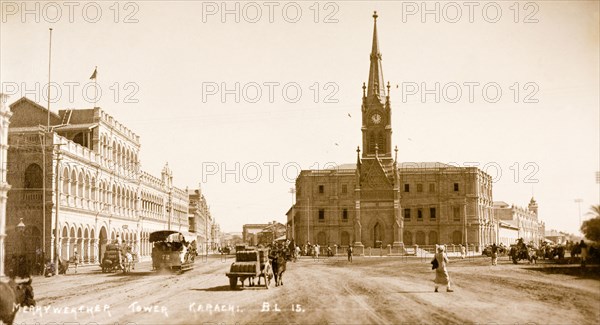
x=57, y=207
x=308, y=223
x=293, y=191
x=44, y=143
x=578, y=201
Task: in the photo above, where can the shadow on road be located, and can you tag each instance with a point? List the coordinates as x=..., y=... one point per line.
x=589, y=272
x=134, y=273
x=82, y=273
x=219, y=288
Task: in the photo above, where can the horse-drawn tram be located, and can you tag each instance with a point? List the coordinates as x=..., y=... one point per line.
x=171, y=250
x=250, y=263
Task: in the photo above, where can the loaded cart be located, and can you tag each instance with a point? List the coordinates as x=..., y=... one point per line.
x=250, y=264
x=112, y=259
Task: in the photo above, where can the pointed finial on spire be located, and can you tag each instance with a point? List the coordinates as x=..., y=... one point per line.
x=376, y=85
x=388, y=89
x=364, y=87
x=396, y=154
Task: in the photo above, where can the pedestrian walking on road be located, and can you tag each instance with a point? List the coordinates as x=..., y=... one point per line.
x=494, y=254
x=75, y=260
x=584, y=252
x=441, y=272
x=350, y=253
x=463, y=251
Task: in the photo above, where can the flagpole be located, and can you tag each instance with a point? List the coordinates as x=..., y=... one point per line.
x=44, y=142
x=49, y=65
x=96, y=86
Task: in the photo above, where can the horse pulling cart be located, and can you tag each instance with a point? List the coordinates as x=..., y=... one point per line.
x=250, y=264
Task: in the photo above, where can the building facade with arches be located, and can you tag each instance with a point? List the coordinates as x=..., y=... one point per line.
x=525, y=220
x=87, y=167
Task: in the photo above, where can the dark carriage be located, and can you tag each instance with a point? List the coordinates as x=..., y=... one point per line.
x=522, y=252
x=171, y=251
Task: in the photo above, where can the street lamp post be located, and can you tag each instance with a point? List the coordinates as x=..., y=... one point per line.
x=21, y=230
x=293, y=191
x=578, y=201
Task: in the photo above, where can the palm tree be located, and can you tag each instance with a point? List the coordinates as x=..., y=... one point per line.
x=591, y=227
x=594, y=211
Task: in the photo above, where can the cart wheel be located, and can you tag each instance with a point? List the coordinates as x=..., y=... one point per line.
x=233, y=282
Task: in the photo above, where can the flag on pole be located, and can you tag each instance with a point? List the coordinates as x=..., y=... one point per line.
x=94, y=74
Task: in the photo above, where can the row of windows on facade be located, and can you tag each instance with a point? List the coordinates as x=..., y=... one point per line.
x=456, y=215
x=455, y=187
x=120, y=154
x=120, y=197
x=82, y=187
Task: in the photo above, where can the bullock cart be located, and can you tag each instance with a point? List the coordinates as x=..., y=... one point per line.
x=114, y=259
x=250, y=264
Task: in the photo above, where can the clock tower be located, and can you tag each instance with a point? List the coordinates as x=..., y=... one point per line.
x=377, y=192
x=376, y=111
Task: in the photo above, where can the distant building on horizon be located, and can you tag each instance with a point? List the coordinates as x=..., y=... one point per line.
x=200, y=219
x=561, y=237
x=273, y=231
x=530, y=228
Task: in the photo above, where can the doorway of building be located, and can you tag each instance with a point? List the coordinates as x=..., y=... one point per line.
x=377, y=235
x=102, y=240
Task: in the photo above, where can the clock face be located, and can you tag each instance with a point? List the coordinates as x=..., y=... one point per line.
x=376, y=118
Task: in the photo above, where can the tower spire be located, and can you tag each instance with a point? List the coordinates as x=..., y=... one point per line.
x=376, y=85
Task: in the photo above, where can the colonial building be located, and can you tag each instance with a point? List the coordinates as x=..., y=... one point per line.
x=84, y=177
x=216, y=236
x=530, y=228
x=379, y=201
x=270, y=233
x=200, y=219
x=250, y=231
x=508, y=232
x=560, y=237
x=443, y=204
x=5, y=115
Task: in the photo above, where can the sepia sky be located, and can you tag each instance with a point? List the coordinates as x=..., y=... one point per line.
x=168, y=71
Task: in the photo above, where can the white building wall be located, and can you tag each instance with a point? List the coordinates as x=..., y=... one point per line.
x=508, y=236
x=4, y=187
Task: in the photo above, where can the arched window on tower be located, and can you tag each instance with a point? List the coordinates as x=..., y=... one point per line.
x=380, y=141
x=32, y=183
x=33, y=177
x=80, y=139
x=372, y=142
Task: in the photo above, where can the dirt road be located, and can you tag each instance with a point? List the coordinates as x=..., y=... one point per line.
x=372, y=290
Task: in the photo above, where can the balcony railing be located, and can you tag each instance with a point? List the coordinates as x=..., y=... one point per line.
x=32, y=196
